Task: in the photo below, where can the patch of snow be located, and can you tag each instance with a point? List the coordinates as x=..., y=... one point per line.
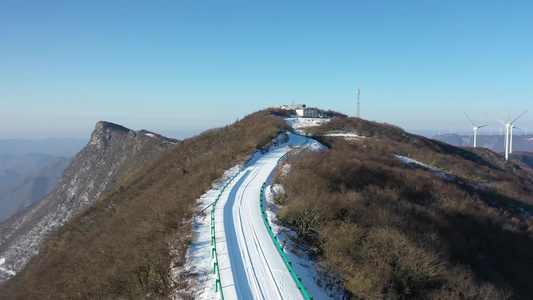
x=347, y=136
x=149, y=134
x=285, y=168
x=281, y=139
x=4, y=270
x=410, y=161
x=298, y=123
x=316, y=146
x=288, y=107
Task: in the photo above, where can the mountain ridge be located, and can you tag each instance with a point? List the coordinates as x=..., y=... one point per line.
x=112, y=150
x=393, y=215
x=123, y=246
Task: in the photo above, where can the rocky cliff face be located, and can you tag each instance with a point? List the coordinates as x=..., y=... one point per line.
x=112, y=150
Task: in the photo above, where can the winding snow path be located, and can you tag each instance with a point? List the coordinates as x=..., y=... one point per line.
x=250, y=264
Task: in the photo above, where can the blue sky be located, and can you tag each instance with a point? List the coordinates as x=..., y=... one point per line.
x=180, y=67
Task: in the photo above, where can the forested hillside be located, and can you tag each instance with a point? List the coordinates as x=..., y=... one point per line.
x=394, y=215
x=119, y=247
x=398, y=216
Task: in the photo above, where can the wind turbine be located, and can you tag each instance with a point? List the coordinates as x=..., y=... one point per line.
x=474, y=128
x=509, y=135
x=511, y=144
x=511, y=138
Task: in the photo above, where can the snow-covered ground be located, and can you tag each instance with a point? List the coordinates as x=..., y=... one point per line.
x=250, y=265
x=288, y=107
x=410, y=161
x=5, y=271
x=346, y=135
x=298, y=123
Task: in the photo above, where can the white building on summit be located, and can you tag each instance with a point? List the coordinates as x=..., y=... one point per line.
x=307, y=112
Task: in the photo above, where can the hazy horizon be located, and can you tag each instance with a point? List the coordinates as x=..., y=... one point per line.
x=180, y=134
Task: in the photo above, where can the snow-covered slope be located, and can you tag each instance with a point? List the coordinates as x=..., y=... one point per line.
x=298, y=123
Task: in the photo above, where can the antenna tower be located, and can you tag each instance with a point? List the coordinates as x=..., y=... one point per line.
x=358, y=115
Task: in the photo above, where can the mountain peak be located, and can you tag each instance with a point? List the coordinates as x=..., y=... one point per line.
x=104, y=132
x=104, y=126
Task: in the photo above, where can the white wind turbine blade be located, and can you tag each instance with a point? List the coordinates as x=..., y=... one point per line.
x=506, y=124
x=470, y=120
x=517, y=117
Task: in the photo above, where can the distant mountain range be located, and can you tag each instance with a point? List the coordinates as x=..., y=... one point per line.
x=29, y=169
x=15, y=166
x=22, y=191
x=26, y=178
x=493, y=142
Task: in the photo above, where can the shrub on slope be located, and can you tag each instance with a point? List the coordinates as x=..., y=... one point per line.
x=119, y=247
x=398, y=231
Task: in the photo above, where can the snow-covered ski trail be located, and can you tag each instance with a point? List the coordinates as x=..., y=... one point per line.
x=249, y=262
